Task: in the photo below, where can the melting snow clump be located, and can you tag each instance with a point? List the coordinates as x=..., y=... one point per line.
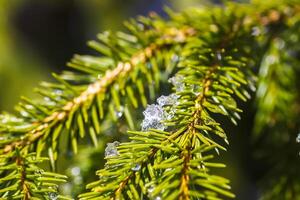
x=167, y=100
x=154, y=114
x=111, y=149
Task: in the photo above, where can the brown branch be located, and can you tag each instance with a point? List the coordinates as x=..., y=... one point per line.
x=25, y=190
x=186, y=154
x=184, y=195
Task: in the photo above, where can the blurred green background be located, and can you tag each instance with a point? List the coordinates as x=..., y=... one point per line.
x=39, y=37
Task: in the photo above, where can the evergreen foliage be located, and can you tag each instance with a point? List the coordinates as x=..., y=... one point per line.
x=213, y=57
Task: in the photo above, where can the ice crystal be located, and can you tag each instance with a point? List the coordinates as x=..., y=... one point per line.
x=152, y=123
x=154, y=111
x=119, y=112
x=75, y=171
x=150, y=189
x=136, y=167
x=167, y=100
x=53, y=196
x=154, y=114
x=111, y=149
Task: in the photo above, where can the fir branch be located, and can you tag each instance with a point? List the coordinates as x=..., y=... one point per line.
x=174, y=162
x=171, y=157
x=25, y=180
x=123, y=69
x=100, y=86
x=41, y=124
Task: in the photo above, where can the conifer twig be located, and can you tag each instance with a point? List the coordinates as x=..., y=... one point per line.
x=100, y=86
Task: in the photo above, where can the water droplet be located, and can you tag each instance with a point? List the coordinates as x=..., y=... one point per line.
x=119, y=113
x=111, y=149
x=150, y=189
x=175, y=58
x=49, y=102
x=219, y=56
x=256, y=31
x=75, y=171
x=148, y=65
x=141, y=26
x=298, y=138
x=168, y=169
x=53, y=195
x=29, y=107
x=24, y=113
x=136, y=167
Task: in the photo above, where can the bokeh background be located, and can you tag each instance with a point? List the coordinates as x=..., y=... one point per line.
x=39, y=37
